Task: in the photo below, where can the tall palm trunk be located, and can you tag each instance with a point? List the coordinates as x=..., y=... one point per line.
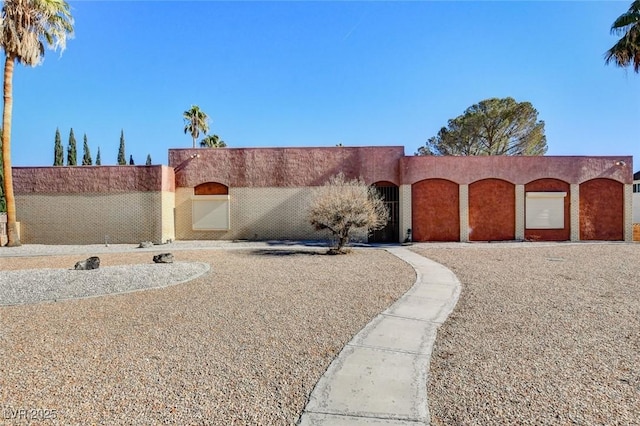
x=12, y=229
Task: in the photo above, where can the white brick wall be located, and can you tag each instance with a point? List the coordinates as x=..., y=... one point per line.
x=635, y=199
x=520, y=212
x=628, y=213
x=464, y=213
x=405, y=211
x=255, y=213
x=574, y=212
x=168, y=231
x=88, y=218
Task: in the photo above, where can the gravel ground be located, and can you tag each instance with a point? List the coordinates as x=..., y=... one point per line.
x=242, y=344
x=540, y=336
x=39, y=285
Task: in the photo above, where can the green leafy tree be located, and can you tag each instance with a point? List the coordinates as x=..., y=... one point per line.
x=86, y=155
x=212, y=141
x=72, y=153
x=491, y=127
x=121, y=156
x=344, y=205
x=98, y=160
x=626, y=52
x=148, y=163
x=58, y=151
x=26, y=28
x=196, y=121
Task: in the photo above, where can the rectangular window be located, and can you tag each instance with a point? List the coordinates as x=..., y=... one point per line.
x=636, y=187
x=210, y=212
x=545, y=210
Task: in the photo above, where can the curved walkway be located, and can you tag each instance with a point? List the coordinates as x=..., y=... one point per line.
x=380, y=377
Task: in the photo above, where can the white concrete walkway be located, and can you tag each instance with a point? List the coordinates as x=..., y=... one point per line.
x=380, y=377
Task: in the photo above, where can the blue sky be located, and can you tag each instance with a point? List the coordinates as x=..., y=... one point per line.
x=273, y=74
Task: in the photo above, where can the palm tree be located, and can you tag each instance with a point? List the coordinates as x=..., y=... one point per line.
x=627, y=50
x=26, y=27
x=196, y=121
x=212, y=141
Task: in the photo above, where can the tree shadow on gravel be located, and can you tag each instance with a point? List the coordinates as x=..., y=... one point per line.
x=286, y=252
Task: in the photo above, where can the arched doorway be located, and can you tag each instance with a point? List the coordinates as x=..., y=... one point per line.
x=391, y=232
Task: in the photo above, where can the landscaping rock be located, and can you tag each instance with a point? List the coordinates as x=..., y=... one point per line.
x=85, y=265
x=145, y=244
x=163, y=258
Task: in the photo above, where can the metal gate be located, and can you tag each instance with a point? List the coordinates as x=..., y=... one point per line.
x=391, y=232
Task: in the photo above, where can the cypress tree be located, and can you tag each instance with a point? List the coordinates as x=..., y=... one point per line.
x=71, y=150
x=98, y=162
x=131, y=163
x=148, y=159
x=86, y=157
x=121, y=158
x=58, y=151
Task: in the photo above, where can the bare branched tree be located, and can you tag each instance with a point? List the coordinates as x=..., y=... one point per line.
x=343, y=206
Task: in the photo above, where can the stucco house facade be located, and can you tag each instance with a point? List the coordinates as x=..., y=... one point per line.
x=264, y=193
x=636, y=197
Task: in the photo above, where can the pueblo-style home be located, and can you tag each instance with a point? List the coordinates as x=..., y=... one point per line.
x=263, y=193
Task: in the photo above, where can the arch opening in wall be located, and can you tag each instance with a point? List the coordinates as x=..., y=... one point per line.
x=211, y=188
x=547, y=210
x=391, y=195
x=492, y=210
x=210, y=207
x=435, y=210
x=602, y=210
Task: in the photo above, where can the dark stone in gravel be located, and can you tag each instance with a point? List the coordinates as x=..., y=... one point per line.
x=85, y=265
x=163, y=258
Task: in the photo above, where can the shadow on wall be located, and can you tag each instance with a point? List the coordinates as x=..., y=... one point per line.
x=256, y=214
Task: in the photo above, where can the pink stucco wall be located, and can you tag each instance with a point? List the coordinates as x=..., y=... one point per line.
x=296, y=167
x=284, y=167
x=92, y=179
x=516, y=170
x=490, y=180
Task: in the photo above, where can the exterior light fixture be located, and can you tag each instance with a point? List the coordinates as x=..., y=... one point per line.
x=182, y=165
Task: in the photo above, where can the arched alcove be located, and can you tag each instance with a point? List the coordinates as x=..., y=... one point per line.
x=435, y=210
x=602, y=210
x=492, y=210
x=211, y=188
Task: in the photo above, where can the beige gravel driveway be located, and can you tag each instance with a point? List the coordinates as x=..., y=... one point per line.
x=243, y=344
x=541, y=335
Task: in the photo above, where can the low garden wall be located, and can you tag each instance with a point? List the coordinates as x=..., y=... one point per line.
x=94, y=204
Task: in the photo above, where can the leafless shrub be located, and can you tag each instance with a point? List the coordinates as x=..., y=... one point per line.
x=343, y=206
